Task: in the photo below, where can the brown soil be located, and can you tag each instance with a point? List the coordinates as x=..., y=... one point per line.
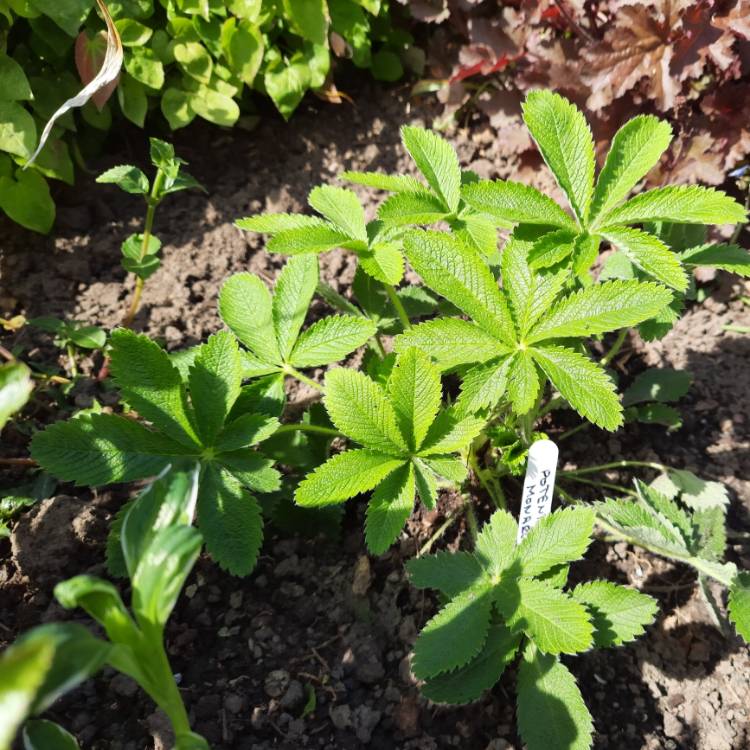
x=322, y=617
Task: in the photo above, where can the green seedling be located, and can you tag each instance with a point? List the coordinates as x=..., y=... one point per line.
x=205, y=418
x=71, y=335
x=15, y=389
x=649, y=397
x=140, y=252
x=507, y=603
x=158, y=547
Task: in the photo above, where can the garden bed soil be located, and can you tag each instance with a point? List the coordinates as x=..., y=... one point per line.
x=321, y=618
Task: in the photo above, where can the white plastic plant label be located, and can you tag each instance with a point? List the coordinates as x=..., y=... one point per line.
x=538, y=486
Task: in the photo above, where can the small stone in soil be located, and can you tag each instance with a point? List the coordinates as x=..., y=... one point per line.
x=276, y=683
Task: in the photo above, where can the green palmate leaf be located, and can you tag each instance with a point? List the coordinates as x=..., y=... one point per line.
x=341, y=207
x=552, y=714
x=523, y=381
x=358, y=407
x=530, y=294
x=649, y=254
x=416, y=392
x=330, y=340
x=313, y=239
x=483, y=386
x=451, y=342
x=214, y=381
x=635, y=149
x=559, y=538
x=496, y=543
x=230, y=521
x=251, y=469
x=455, y=635
x=636, y=519
x=516, y=203
x=247, y=430
x=478, y=232
x=412, y=208
x=739, y=605
x=732, y=258
x=293, y=293
x=24, y=666
x=467, y=683
x=437, y=161
x=161, y=573
x=449, y=573
x=583, y=384
x=449, y=468
x=564, y=138
x=246, y=306
x=426, y=483
x=345, y=475
x=551, y=249
x=668, y=512
x=391, y=183
x=390, y=506
x=555, y=622
x=384, y=262
x=601, y=308
x=619, y=614
x=152, y=384
x=458, y=274
x=40, y=734
x=451, y=432
x=101, y=449
x=684, y=204
x=273, y=223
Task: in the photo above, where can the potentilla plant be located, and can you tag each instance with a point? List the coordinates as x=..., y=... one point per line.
x=483, y=350
x=158, y=547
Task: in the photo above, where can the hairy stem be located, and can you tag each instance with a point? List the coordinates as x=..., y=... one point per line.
x=301, y=427
x=398, y=305
x=72, y=360
x=289, y=370
x=615, y=350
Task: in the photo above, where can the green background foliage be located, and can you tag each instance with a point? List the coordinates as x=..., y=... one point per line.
x=184, y=59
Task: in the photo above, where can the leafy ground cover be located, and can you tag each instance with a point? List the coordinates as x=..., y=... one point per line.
x=360, y=724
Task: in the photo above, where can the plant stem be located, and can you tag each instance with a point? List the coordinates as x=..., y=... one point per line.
x=17, y=462
x=738, y=227
x=72, y=360
x=398, y=305
x=603, y=485
x=153, y=201
x=289, y=370
x=614, y=351
x=308, y=428
x=492, y=488
x=378, y=346
x=471, y=518
x=615, y=465
x=573, y=430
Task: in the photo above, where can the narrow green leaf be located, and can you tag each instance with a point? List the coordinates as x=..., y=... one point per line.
x=683, y=204
x=292, y=295
x=619, y=614
x=583, y=384
x=152, y=385
x=41, y=734
x=564, y=138
x=555, y=622
x=330, y=340
x=478, y=232
x=251, y=469
x=458, y=274
x=359, y=408
x=389, y=508
x=246, y=306
x=390, y=182
x=341, y=207
x=455, y=635
x=230, y=521
x=451, y=432
x=273, y=223
x=437, y=161
x=345, y=475
x=247, y=430
x=384, y=262
x=649, y=254
x=467, y=683
x=312, y=239
x=426, y=483
x=559, y=538
x=451, y=469
x=496, y=543
x=523, y=381
x=551, y=711
x=214, y=381
x=102, y=449
x=412, y=208
x=635, y=149
x=516, y=203
x=732, y=258
x=451, y=342
x=483, y=386
x=551, y=249
x=601, y=308
x=449, y=573
x=416, y=393
x=739, y=605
